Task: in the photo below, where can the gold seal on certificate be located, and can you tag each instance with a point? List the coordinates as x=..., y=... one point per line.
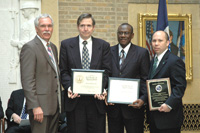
x=123, y=90
x=158, y=92
x=87, y=82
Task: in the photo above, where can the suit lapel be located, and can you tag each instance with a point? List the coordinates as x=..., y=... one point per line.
x=21, y=100
x=129, y=56
x=55, y=57
x=162, y=63
x=44, y=52
x=75, y=52
x=115, y=55
x=95, y=54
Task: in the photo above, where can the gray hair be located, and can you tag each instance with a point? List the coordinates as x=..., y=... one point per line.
x=36, y=22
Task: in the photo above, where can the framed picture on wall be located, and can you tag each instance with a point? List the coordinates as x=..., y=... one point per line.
x=180, y=26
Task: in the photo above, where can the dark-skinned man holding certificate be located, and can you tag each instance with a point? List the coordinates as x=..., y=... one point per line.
x=169, y=116
x=134, y=65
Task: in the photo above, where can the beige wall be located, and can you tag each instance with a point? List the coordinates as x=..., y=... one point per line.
x=193, y=88
x=51, y=7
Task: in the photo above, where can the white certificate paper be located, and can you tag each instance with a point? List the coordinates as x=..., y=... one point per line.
x=123, y=90
x=87, y=82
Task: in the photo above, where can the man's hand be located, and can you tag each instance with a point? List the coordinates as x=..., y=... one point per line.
x=107, y=102
x=71, y=95
x=164, y=108
x=38, y=114
x=17, y=119
x=137, y=104
x=101, y=96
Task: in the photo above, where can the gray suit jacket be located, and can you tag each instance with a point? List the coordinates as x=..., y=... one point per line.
x=39, y=77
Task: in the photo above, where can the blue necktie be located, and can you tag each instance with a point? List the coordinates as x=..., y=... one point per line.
x=24, y=114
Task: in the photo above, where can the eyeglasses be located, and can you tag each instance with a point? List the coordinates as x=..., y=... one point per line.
x=125, y=33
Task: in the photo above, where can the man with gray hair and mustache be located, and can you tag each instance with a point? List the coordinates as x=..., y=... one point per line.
x=40, y=78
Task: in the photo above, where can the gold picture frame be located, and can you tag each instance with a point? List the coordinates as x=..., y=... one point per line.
x=144, y=20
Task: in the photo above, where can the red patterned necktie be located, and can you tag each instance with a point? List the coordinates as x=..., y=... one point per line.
x=49, y=51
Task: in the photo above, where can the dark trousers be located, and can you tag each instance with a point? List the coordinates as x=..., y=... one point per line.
x=48, y=125
x=117, y=124
x=154, y=129
x=18, y=129
x=85, y=118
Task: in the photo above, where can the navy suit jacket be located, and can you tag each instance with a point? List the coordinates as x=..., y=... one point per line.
x=135, y=66
x=171, y=66
x=15, y=104
x=70, y=59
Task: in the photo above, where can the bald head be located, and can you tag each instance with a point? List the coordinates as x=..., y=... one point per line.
x=160, y=42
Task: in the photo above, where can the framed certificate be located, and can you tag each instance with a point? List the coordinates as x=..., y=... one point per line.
x=87, y=82
x=158, y=92
x=123, y=90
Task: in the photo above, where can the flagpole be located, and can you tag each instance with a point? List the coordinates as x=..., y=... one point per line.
x=167, y=6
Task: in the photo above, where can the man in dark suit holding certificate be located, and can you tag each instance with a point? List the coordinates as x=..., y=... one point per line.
x=169, y=117
x=85, y=114
x=128, y=61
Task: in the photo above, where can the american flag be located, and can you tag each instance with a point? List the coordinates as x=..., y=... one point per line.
x=149, y=32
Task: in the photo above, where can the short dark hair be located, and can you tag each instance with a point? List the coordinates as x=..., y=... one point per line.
x=166, y=34
x=128, y=25
x=170, y=33
x=85, y=15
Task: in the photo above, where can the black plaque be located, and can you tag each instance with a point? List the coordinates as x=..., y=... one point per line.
x=158, y=92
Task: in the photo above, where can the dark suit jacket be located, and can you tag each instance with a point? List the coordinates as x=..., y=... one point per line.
x=39, y=77
x=15, y=104
x=174, y=48
x=136, y=66
x=70, y=59
x=1, y=110
x=171, y=67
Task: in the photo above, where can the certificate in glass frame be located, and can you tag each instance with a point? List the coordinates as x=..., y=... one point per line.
x=123, y=90
x=158, y=91
x=87, y=82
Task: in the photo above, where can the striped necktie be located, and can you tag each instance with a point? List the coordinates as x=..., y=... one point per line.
x=49, y=51
x=85, y=57
x=122, y=58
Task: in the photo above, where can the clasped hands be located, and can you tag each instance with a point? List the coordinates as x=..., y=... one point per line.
x=98, y=96
x=136, y=104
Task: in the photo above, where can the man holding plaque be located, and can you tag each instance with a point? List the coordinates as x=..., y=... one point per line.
x=169, y=116
x=128, y=61
x=85, y=113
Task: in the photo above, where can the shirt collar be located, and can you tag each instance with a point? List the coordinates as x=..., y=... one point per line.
x=88, y=40
x=161, y=55
x=43, y=41
x=125, y=49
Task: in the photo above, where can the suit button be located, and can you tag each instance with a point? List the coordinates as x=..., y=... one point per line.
x=55, y=76
x=56, y=90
